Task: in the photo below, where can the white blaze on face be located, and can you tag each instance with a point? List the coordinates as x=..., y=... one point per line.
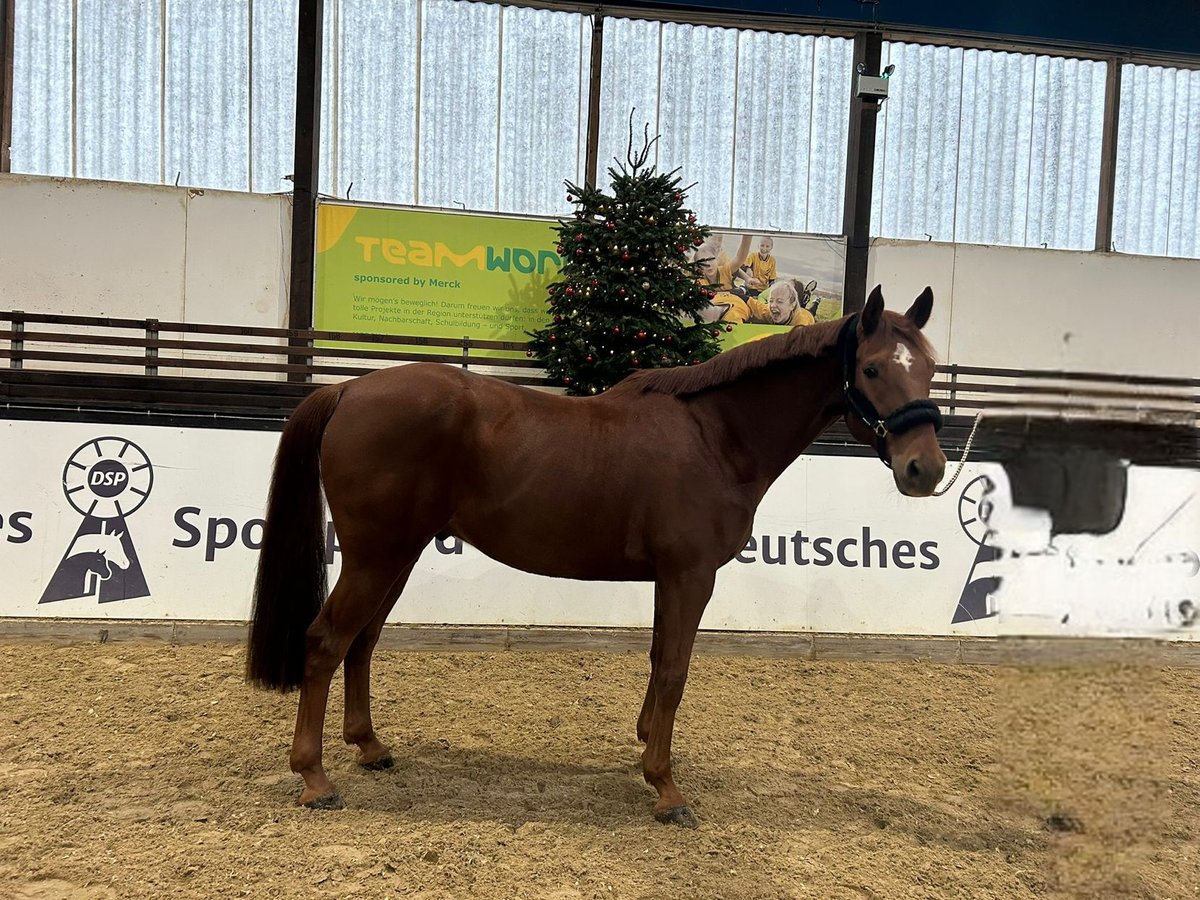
x=903, y=356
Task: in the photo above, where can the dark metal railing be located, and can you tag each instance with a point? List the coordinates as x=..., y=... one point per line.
x=101, y=363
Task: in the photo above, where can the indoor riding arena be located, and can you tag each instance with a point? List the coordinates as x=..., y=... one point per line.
x=547, y=450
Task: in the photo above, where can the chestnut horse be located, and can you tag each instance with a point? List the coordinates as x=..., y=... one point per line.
x=663, y=473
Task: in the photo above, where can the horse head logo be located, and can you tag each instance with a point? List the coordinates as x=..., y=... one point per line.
x=105, y=480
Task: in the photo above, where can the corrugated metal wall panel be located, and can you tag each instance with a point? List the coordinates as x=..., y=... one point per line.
x=118, y=106
x=42, y=88
x=207, y=121
x=1156, y=208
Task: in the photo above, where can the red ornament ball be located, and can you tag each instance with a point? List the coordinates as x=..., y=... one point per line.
x=641, y=335
x=579, y=252
x=616, y=329
x=698, y=241
x=729, y=328
x=624, y=256
x=567, y=380
x=637, y=362
x=570, y=291
x=620, y=292
x=570, y=199
x=588, y=358
x=529, y=353
x=553, y=339
x=579, y=235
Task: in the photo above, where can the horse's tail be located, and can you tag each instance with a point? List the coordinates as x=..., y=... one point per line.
x=291, y=582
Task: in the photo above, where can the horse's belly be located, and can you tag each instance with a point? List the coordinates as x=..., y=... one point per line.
x=563, y=546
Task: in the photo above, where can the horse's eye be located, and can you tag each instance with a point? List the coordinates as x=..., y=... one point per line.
x=871, y=372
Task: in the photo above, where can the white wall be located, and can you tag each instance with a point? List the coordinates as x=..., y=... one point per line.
x=178, y=254
x=1050, y=309
x=143, y=251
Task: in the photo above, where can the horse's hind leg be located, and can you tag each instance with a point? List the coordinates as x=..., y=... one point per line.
x=357, y=726
x=360, y=591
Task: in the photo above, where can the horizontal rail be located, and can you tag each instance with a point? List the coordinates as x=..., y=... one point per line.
x=83, y=361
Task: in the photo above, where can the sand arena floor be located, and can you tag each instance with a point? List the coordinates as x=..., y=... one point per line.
x=133, y=770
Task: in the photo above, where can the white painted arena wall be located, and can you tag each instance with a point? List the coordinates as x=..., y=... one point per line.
x=179, y=254
x=836, y=549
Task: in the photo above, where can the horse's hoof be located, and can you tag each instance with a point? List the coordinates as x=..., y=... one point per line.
x=678, y=815
x=329, y=801
x=379, y=765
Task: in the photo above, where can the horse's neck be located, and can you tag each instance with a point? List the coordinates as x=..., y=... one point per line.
x=769, y=418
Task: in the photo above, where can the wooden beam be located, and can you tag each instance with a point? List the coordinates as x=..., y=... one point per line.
x=1108, y=156
x=591, y=166
x=8, y=34
x=306, y=169
x=860, y=172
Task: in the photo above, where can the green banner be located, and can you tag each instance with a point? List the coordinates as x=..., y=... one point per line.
x=432, y=274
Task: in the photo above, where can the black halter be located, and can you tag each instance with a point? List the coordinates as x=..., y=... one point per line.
x=908, y=416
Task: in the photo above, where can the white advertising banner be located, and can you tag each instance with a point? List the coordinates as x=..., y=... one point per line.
x=130, y=522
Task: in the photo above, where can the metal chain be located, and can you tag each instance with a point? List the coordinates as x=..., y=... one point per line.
x=962, y=461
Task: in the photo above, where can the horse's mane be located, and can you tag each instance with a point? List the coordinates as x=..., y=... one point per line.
x=805, y=342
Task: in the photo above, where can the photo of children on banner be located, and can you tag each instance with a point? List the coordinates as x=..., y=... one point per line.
x=747, y=287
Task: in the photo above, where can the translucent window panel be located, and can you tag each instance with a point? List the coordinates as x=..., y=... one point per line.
x=327, y=182
x=789, y=148
x=377, y=100
x=628, y=84
x=1157, y=207
x=916, y=144
x=273, y=94
x=543, y=75
x=207, y=125
x=1064, y=164
x=118, y=120
x=697, y=110
x=984, y=147
x=41, y=113
x=994, y=147
x=459, y=106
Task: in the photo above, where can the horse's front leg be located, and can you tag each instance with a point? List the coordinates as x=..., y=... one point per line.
x=353, y=603
x=357, y=727
x=680, y=599
x=643, y=722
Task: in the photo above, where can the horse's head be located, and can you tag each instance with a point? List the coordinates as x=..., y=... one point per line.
x=887, y=369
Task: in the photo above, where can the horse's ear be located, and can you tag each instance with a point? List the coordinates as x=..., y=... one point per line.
x=873, y=311
x=921, y=308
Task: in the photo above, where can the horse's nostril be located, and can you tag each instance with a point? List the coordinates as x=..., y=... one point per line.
x=913, y=469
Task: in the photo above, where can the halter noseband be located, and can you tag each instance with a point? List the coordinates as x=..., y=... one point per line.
x=908, y=416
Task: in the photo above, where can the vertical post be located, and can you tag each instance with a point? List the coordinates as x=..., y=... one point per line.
x=591, y=164
x=466, y=345
x=17, y=344
x=1108, y=156
x=860, y=172
x=953, y=388
x=305, y=173
x=8, y=37
x=151, y=346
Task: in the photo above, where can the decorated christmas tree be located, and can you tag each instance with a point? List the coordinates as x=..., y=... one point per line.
x=629, y=297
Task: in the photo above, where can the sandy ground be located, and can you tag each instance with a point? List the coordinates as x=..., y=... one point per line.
x=149, y=770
